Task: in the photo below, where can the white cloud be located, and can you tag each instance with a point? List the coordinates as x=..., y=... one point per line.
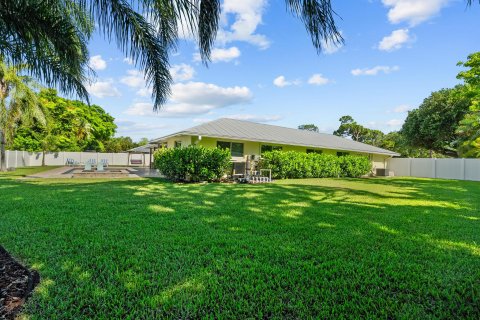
x=413, y=11
x=182, y=72
x=255, y=118
x=247, y=17
x=374, y=71
x=222, y=55
x=194, y=98
x=395, y=40
x=131, y=127
x=402, y=108
x=395, y=123
x=318, y=80
x=102, y=89
x=134, y=79
x=281, y=82
x=97, y=63
x=201, y=120
x=144, y=92
x=128, y=61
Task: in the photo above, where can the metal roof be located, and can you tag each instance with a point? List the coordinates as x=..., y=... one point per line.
x=251, y=131
x=141, y=149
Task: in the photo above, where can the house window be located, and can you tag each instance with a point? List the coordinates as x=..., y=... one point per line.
x=223, y=145
x=341, y=154
x=236, y=148
x=314, y=151
x=178, y=144
x=266, y=148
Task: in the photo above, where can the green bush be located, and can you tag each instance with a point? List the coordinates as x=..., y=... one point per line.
x=193, y=163
x=294, y=165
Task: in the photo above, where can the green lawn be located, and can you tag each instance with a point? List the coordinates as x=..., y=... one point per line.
x=145, y=248
x=27, y=171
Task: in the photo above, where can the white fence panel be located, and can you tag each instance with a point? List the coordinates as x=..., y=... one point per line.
x=29, y=159
x=35, y=159
x=424, y=168
x=120, y=159
x=400, y=166
x=450, y=169
x=459, y=169
x=472, y=169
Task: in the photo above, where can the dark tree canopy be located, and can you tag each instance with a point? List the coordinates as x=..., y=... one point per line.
x=308, y=127
x=468, y=130
x=71, y=126
x=349, y=128
x=432, y=126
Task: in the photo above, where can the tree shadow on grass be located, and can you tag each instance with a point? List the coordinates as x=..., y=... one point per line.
x=149, y=248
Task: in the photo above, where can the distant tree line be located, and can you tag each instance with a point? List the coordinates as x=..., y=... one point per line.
x=446, y=124
x=69, y=125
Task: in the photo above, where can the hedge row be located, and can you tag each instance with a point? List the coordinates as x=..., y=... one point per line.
x=193, y=163
x=296, y=165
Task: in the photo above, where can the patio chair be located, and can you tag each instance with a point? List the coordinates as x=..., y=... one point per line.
x=72, y=162
x=104, y=162
x=88, y=166
x=100, y=166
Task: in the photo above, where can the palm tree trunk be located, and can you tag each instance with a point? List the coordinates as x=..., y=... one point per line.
x=3, y=158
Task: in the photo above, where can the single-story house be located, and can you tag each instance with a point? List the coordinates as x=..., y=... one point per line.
x=246, y=138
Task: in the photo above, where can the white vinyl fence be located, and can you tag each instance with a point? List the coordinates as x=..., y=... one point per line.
x=459, y=169
x=17, y=159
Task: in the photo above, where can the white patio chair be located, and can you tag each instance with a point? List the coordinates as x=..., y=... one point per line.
x=88, y=166
x=104, y=162
x=100, y=166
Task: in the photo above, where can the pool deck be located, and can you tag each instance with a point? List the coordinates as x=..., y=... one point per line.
x=67, y=173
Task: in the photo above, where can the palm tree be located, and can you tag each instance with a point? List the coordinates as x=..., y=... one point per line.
x=50, y=36
x=18, y=101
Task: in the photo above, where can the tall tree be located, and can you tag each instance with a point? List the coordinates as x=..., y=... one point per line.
x=52, y=40
x=468, y=130
x=75, y=126
x=395, y=141
x=308, y=127
x=349, y=128
x=432, y=126
x=18, y=101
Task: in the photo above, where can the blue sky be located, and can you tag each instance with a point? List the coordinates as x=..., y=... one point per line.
x=264, y=68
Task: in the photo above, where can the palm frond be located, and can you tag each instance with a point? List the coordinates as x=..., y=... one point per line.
x=46, y=38
x=318, y=17
x=208, y=26
x=138, y=39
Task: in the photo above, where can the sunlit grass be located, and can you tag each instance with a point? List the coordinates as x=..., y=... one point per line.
x=323, y=248
x=26, y=171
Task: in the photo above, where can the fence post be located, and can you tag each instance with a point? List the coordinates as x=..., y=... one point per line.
x=463, y=168
x=434, y=168
x=409, y=167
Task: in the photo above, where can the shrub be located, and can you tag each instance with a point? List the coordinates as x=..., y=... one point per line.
x=291, y=165
x=354, y=166
x=193, y=163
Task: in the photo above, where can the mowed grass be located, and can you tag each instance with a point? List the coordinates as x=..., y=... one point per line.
x=323, y=248
x=26, y=171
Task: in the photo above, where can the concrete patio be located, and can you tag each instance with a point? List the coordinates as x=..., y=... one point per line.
x=66, y=172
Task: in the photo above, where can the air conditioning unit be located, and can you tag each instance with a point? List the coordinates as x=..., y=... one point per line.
x=382, y=172
x=254, y=157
